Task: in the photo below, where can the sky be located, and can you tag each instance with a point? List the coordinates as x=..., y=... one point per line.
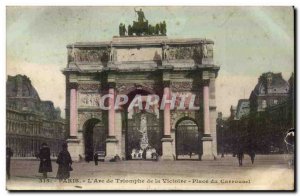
x=248, y=42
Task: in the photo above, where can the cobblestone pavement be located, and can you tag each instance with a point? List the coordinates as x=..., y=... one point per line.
x=268, y=172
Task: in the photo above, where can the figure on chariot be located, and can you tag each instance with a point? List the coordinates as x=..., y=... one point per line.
x=142, y=28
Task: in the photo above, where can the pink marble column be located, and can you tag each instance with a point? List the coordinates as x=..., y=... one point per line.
x=206, y=108
x=111, y=112
x=111, y=141
x=73, y=111
x=167, y=116
x=167, y=146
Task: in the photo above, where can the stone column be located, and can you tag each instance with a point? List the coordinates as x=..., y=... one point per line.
x=206, y=139
x=73, y=142
x=167, y=139
x=111, y=141
x=73, y=112
x=111, y=111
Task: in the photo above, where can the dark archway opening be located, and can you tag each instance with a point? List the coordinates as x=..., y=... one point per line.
x=188, y=140
x=94, y=138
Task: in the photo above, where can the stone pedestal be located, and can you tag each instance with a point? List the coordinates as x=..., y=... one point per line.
x=111, y=148
x=74, y=148
x=207, y=148
x=167, y=148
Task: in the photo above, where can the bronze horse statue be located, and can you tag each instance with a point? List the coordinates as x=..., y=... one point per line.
x=138, y=28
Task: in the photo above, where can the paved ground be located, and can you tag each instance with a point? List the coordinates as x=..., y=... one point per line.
x=268, y=172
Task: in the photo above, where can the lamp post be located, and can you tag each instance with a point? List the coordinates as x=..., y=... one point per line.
x=222, y=139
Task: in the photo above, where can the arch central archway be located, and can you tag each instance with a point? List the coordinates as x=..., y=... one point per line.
x=94, y=135
x=143, y=132
x=188, y=140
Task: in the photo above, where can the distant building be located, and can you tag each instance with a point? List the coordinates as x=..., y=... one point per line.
x=260, y=123
x=232, y=113
x=243, y=108
x=221, y=134
x=281, y=118
x=270, y=90
x=29, y=120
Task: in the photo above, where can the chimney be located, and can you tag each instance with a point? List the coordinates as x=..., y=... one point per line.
x=19, y=84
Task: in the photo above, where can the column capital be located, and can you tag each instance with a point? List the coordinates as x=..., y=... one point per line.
x=111, y=85
x=167, y=83
x=205, y=82
x=73, y=85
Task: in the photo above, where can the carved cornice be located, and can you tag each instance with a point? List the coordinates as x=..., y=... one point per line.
x=181, y=86
x=89, y=87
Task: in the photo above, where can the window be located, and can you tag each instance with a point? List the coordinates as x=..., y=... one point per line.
x=275, y=101
x=264, y=103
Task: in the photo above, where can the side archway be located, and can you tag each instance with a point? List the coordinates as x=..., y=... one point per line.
x=188, y=139
x=94, y=135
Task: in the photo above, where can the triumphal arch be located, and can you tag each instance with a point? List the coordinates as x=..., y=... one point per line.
x=143, y=63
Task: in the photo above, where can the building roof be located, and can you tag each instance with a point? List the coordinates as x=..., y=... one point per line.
x=22, y=96
x=243, y=108
x=20, y=86
x=271, y=83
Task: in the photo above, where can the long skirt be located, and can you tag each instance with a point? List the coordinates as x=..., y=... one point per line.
x=45, y=166
x=63, y=172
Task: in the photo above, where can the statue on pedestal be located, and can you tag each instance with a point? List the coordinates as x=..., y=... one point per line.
x=141, y=15
x=122, y=29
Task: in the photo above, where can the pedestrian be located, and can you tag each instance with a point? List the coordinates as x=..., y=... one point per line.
x=9, y=154
x=64, y=162
x=96, y=158
x=240, y=156
x=45, y=160
x=252, y=156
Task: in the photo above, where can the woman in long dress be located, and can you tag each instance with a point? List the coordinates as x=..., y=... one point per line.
x=45, y=160
x=64, y=162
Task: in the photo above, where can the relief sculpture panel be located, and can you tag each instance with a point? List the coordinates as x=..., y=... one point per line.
x=124, y=88
x=186, y=52
x=91, y=55
x=181, y=86
x=190, y=98
x=89, y=100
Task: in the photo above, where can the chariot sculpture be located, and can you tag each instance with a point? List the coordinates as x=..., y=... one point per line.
x=142, y=27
